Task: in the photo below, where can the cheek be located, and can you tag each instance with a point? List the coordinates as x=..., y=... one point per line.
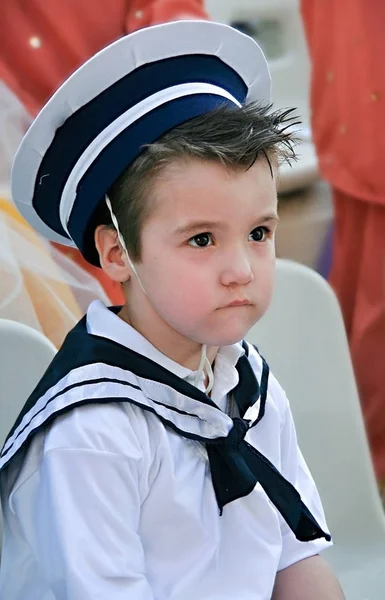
x=264, y=277
x=268, y=292
x=177, y=289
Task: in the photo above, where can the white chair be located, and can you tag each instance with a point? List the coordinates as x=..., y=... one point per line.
x=303, y=339
x=24, y=355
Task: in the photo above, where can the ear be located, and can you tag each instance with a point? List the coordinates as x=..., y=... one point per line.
x=112, y=257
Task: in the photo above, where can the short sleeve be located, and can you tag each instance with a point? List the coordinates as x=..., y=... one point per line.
x=81, y=511
x=295, y=470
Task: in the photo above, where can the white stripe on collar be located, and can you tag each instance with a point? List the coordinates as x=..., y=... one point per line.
x=185, y=413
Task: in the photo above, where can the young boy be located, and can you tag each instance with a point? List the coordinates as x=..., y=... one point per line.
x=157, y=459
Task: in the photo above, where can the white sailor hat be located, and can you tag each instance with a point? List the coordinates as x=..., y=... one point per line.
x=128, y=95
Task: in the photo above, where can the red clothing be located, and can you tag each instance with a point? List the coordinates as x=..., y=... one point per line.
x=358, y=277
x=346, y=43
x=43, y=41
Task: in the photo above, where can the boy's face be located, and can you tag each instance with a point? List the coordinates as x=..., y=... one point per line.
x=207, y=260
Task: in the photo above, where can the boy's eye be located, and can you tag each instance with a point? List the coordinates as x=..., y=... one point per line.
x=201, y=240
x=259, y=234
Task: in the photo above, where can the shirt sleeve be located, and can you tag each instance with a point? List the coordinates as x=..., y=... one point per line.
x=86, y=520
x=295, y=470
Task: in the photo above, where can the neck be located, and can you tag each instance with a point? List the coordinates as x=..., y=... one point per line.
x=171, y=343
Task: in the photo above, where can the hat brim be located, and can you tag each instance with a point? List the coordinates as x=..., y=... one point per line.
x=36, y=192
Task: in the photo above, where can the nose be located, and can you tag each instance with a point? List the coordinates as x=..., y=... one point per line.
x=237, y=269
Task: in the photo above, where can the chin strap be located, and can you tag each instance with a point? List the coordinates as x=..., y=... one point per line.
x=122, y=243
x=205, y=368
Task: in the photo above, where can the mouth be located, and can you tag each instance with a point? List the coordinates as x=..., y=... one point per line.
x=238, y=303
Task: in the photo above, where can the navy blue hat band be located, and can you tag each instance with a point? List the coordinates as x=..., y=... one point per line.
x=80, y=130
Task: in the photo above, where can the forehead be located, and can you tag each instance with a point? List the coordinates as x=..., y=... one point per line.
x=208, y=189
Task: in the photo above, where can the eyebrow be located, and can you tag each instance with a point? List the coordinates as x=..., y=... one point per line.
x=196, y=226
x=193, y=227
x=269, y=217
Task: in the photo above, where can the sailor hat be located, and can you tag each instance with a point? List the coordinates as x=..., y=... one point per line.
x=126, y=96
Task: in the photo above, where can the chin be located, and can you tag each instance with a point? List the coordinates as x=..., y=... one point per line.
x=233, y=331
x=227, y=338
x=227, y=330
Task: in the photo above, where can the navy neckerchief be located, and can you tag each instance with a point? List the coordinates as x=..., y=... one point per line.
x=236, y=466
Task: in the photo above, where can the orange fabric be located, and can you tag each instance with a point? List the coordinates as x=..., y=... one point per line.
x=346, y=42
x=46, y=298
x=112, y=288
x=43, y=41
x=358, y=277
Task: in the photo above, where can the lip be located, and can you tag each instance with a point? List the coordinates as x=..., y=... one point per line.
x=239, y=303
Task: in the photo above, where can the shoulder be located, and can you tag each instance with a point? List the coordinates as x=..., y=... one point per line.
x=111, y=426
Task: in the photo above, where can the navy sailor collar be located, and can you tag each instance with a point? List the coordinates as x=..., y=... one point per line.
x=85, y=360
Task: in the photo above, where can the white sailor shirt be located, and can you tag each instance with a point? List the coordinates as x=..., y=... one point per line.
x=107, y=501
